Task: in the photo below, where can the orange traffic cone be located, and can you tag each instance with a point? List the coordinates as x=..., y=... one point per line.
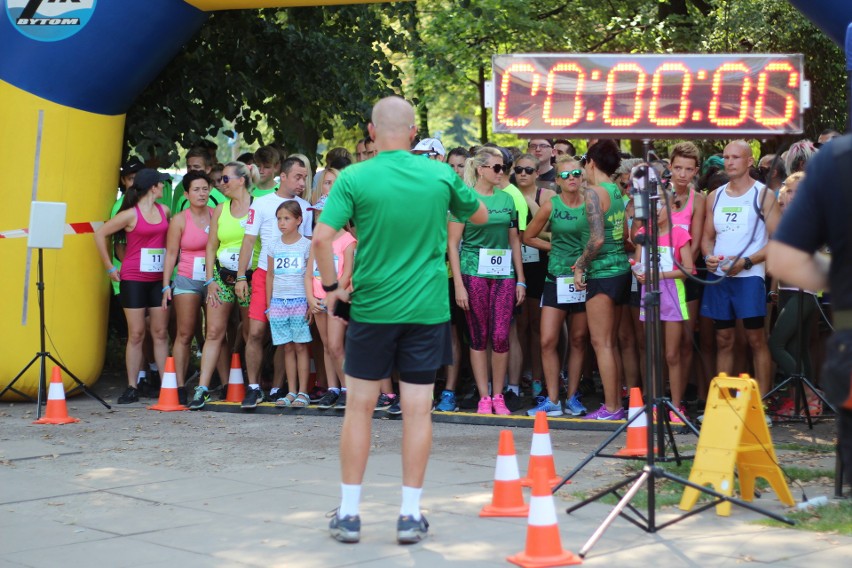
x=168, y=390
x=637, y=431
x=56, y=411
x=541, y=453
x=544, y=547
x=236, y=384
x=507, y=499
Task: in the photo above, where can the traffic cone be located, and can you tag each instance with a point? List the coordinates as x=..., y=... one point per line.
x=543, y=547
x=637, y=431
x=507, y=499
x=56, y=411
x=541, y=453
x=236, y=384
x=168, y=390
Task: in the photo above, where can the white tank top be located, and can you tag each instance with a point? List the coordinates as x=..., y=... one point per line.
x=734, y=219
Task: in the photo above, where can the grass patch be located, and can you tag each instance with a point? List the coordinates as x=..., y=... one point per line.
x=807, y=448
x=836, y=517
x=806, y=474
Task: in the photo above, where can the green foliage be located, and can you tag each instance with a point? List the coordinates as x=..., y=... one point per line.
x=835, y=518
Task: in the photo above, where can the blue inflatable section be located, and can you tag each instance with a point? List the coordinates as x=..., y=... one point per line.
x=104, y=66
x=831, y=16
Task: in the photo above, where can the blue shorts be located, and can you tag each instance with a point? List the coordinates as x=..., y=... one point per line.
x=287, y=321
x=735, y=298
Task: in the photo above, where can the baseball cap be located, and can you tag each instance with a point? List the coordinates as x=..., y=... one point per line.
x=147, y=177
x=132, y=166
x=430, y=145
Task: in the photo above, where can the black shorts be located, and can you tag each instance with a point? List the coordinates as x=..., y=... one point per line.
x=135, y=295
x=693, y=290
x=534, y=273
x=416, y=351
x=616, y=287
x=549, y=300
x=456, y=313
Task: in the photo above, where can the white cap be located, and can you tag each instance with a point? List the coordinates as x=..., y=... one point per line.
x=430, y=145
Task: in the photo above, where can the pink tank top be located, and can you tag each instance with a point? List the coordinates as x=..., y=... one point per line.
x=338, y=247
x=683, y=218
x=146, y=249
x=193, y=246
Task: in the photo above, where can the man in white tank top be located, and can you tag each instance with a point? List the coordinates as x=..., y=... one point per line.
x=739, y=218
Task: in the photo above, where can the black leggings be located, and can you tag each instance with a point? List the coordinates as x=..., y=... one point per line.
x=785, y=336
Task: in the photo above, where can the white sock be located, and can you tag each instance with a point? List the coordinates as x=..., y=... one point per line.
x=273, y=391
x=514, y=388
x=411, y=502
x=255, y=387
x=350, y=497
x=142, y=375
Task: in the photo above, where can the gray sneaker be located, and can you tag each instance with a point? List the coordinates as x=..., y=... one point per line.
x=410, y=530
x=347, y=529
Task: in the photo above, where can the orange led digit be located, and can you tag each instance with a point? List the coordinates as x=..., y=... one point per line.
x=576, y=87
x=612, y=87
x=504, y=94
x=740, y=106
x=760, y=113
x=682, y=101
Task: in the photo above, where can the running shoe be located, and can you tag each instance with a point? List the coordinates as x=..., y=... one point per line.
x=603, y=414
x=328, y=400
x=484, y=406
x=394, y=409
x=536, y=388
x=447, y=402
x=252, y=398
x=129, y=396
x=499, y=405
x=316, y=394
x=346, y=529
x=410, y=530
x=341, y=401
x=674, y=418
x=544, y=404
x=385, y=401
x=574, y=406
x=199, y=399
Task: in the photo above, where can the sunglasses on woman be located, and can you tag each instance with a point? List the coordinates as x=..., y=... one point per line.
x=498, y=168
x=527, y=170
x=572, y=173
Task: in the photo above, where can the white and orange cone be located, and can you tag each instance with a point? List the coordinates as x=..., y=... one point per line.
x=543, y=546
x=507, y=499
x=168, y=401
x=541, y=453
x=637, y=431
x=56, y=411
x=236, y=384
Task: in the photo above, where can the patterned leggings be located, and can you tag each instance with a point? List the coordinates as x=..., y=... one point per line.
x=490, y=315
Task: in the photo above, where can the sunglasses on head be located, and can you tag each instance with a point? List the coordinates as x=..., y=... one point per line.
x=584, y=160
x=527, y=170
x=498, y=168
x=572, y=173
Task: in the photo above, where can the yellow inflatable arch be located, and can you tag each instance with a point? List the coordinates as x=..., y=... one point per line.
x=70, y=60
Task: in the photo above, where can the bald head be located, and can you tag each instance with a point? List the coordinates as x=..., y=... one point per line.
x=393, y=124
x=738, y=159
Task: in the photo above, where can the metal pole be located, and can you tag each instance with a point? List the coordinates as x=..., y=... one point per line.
x=849, y=76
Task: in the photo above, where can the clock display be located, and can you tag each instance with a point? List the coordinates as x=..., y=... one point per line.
x=649, y=95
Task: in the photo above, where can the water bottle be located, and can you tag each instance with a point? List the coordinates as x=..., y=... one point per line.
x=725, y=264
x=638, y=268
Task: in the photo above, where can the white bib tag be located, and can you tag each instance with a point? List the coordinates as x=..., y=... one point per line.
x=229, y=259
x=495, y=262
x=529, y=254
x=734, y=219
x=567, y=293
x=199, y=268
x=151, y=260
x=666, y=264
x=316, y=270
x=290, y=263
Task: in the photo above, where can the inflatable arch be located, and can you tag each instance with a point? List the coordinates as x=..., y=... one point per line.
x=82, y=62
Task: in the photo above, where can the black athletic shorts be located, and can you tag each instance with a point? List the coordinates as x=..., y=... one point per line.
x=693, y=290
x=534, y=273
x=135, y=295
x=616, y=287
x=416, y=351
x=549, y=300
x=456, y=313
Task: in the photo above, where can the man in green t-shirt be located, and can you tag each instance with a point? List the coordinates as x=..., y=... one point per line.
x=400, y=304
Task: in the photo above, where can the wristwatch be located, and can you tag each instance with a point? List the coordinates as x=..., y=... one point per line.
x=747, y=263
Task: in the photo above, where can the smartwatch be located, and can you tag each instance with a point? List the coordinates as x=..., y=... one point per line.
x=747, y=263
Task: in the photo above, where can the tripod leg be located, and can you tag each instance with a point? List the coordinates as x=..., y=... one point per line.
x=10, y=386
x=818, y=394
x=80, y=384
x=616, y=511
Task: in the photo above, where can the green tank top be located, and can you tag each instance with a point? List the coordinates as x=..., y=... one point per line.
x=230, y=233
x=611, y=259
x=569, y=235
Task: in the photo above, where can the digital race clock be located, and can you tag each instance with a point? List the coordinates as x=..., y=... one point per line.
x=649, y=95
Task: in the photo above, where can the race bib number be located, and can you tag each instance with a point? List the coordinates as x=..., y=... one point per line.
x=529, y=254
x=290, y=263
x=567, y=293
x=199, y=268
x=151, y=260
x=733, y=219
x=495, y=262
x=666, y=262
x=229, y=259
x=316, y=269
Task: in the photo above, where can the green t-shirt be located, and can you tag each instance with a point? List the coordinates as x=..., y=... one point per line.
x=568, y=237
x=520, y=205
x=257, y=192
x=611, y=259
x=492, y=235
x=399, y=203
